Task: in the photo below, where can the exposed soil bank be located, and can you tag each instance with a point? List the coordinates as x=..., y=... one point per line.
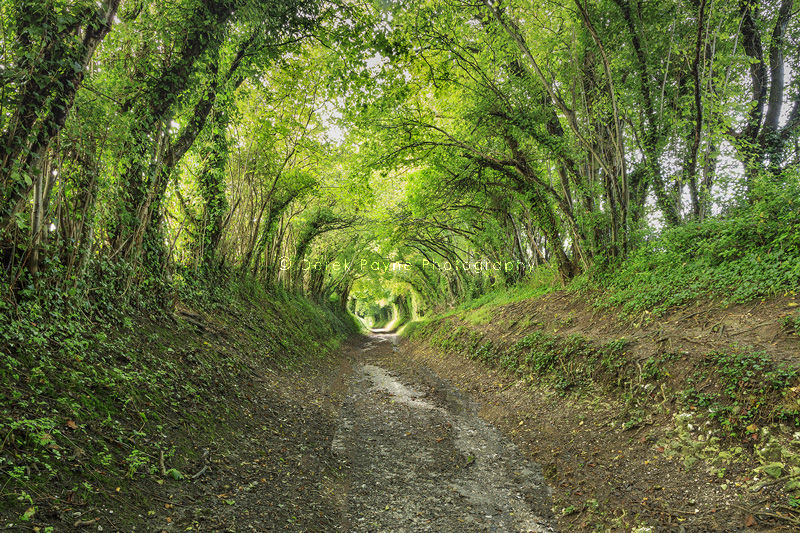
x=636, y=453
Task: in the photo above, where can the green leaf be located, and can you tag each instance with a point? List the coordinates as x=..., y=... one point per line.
x=174, y=474
x=28, y=514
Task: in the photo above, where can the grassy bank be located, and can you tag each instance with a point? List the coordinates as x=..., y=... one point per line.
x=750, y=256
x=96, y=404
x=750, y=253
x=693, y=338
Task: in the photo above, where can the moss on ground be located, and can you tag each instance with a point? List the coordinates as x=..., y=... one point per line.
x=90, y=403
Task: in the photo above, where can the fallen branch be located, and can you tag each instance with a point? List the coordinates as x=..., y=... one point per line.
x=687, y=339
x=161, y=462
x=785, y=518
x=690, y=315
x=752, y=328
x=205, y=466
x=201, y=472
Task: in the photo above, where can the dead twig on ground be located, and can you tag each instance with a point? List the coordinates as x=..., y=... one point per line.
x=205, y=466
x=751, y=328
x=161, y=462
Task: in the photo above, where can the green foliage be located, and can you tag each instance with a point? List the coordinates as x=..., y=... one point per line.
x=752, y=252
x=218, y=137
x=741, y=388
x=791, y=323
x=110, y=387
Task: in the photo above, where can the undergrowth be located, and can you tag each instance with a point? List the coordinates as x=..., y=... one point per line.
x=91, y=396
x=752, y=252
x=737, y=388
x=741, y=389
x=568, y=363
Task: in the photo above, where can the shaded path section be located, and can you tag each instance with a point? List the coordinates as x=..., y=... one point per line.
x=420, y=459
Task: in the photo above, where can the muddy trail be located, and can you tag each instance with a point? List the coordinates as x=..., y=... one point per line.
x=418, y=457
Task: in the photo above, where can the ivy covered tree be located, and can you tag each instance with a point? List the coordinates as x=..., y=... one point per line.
x=152, y=144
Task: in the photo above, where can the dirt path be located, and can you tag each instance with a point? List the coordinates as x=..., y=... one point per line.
x=386, y=437
x=418, y=458
x=341, y=444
